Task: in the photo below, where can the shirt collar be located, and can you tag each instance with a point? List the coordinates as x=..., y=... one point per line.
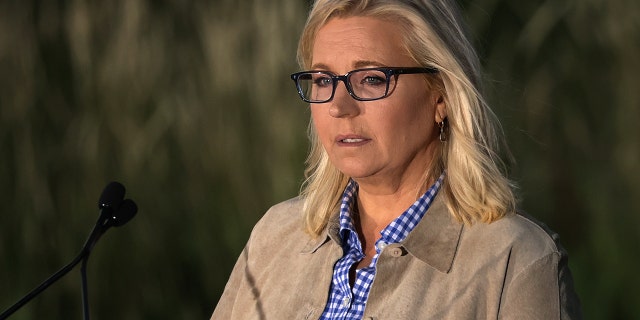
x=434, y=240
x=348, y=208
x=397, y=230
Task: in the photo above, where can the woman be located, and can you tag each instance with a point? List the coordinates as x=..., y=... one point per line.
x=405, y=213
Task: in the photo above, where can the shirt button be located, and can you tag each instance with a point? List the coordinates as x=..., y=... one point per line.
x=345, y=301
x=381, y=245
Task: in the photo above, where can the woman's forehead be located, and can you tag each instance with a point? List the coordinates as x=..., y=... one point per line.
x=359, y=42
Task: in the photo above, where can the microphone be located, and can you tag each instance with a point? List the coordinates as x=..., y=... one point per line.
x=114, y=211
x=113, y=193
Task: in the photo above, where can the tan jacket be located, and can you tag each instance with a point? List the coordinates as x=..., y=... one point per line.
x=509, y=269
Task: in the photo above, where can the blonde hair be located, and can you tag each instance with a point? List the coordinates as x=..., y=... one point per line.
x=475, y=186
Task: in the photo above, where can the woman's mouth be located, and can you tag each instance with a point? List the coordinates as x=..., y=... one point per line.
x=351, y=141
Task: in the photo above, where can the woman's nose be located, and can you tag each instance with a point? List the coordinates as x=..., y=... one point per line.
x=343, y=104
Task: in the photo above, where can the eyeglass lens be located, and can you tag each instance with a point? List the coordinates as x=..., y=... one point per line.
x=363, y=84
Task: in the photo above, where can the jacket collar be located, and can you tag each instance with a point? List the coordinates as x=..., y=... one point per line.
x=331, y=232
x=434, y=240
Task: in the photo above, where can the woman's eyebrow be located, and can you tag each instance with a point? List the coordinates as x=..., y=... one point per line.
x=367, y=63
x=357, y=65
x=319, y=66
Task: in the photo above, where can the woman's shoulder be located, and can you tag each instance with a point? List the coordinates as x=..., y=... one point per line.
x=521, y=234
x=284, y=218
x=284, y=211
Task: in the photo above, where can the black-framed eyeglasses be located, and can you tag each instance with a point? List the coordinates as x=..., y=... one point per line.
x=362, y=84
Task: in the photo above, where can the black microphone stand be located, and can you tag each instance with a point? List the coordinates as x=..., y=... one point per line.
x=41, y=287
x=49, y=281
x=85, y=289
x=108, y=217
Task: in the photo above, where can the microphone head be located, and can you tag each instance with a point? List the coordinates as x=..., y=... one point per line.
x=125, y=212
x=112, y=195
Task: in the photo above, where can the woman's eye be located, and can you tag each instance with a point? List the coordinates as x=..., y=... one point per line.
x=323, y=81
x=373, y=80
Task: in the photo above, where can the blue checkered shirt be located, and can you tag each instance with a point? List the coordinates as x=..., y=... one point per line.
x=346, y=302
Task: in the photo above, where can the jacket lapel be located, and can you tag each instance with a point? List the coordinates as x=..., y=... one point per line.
x=435, y=239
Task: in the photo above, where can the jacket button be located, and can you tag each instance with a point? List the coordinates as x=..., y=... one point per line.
x=396, y=252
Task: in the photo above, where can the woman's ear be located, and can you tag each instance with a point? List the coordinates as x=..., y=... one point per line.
x=441, y=109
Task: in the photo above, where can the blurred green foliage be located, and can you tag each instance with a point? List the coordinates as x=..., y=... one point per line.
x=190, y=106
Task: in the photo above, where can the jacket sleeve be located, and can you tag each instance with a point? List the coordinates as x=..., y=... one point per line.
x=542, y=290
x=225, y=305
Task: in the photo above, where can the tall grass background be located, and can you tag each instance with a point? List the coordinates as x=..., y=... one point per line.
x=190, y=106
